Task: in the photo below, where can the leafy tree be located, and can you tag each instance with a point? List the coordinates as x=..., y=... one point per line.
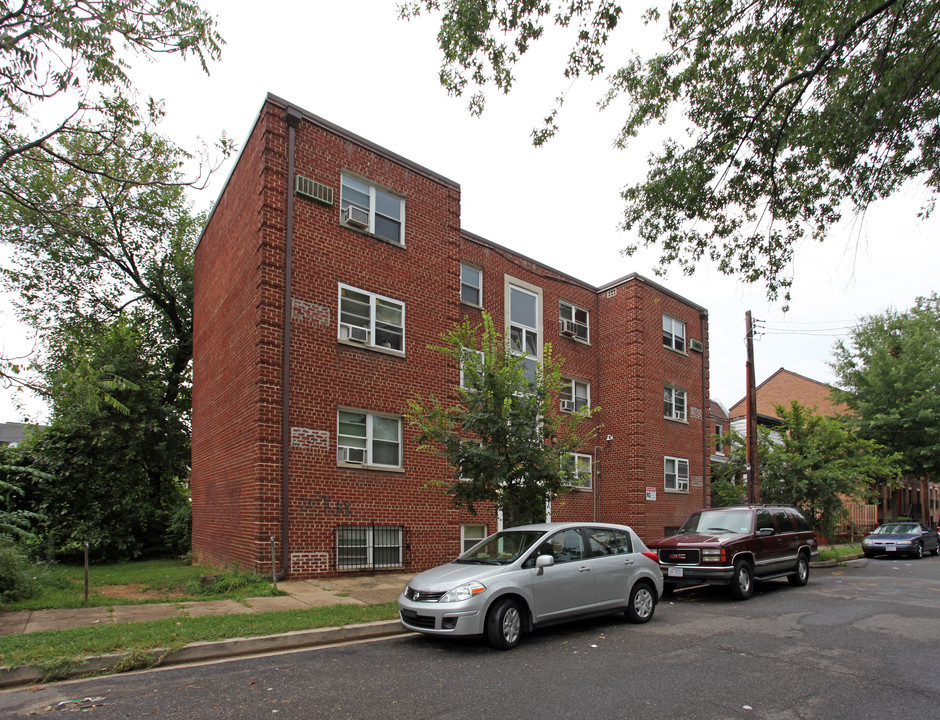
x=812, y=461
x=727, y=478
x=503, y=436
x=114, y=476
x=66, y=64
x=889, y=373
x=794, y=111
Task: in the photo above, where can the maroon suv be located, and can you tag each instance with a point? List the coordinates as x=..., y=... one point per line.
x=735, y=546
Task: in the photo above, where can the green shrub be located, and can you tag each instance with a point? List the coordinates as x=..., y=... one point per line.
x=19, y=579
x=179, y=531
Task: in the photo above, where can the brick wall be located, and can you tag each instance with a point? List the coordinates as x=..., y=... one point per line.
x=240, y=296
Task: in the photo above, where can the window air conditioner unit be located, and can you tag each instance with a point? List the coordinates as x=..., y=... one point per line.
x=353, y=455
x=569, y=328
x=567, y=405
x=356, y=216
x=696, y=345
x=354, y=333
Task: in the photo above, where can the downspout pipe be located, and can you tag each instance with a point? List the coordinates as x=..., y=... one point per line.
x=706, y=414
x=292, y=117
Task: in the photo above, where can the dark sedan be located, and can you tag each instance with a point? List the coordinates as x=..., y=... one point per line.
x=902, y=538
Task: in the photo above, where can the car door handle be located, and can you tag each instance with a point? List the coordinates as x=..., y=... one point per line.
x=584, y=569
x=627, y=562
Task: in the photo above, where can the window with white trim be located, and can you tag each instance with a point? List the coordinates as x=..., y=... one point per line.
x=524, y=327
x=574, y=395
x=367, y=207
x=673, y=333
x=719, y=438
x=676, y=474
x=470, y=535
x=573, y=321
x=674, y=403
x=364, y=438
x=471, y=285
x=369, y=319
x=580, y=469
x=466, y=361
x=368, y=546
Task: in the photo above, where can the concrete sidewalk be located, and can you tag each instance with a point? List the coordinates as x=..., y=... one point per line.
x=302, y=594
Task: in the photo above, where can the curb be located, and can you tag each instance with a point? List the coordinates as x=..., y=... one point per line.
x=835, y=563
x=198, y=652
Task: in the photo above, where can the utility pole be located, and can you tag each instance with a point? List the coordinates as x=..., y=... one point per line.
x=753, y=477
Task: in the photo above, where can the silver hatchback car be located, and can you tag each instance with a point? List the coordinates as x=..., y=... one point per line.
x=534, y=575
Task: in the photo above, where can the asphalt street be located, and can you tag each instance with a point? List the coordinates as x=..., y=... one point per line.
x=858, y=642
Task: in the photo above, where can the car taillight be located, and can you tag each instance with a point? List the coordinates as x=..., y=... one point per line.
x=651, y=556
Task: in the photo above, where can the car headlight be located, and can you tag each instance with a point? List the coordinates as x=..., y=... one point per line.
x=463, y=592
x=905, y=542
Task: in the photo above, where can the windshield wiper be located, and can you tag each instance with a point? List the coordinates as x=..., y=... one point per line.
x=721, y=530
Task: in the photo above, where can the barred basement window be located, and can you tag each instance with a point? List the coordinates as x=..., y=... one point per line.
x=368, y=547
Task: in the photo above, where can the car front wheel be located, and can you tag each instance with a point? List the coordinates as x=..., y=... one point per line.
x=742, y=581
x=504, y=625
x=801, y=576
x=642, y=603
x=919, y=551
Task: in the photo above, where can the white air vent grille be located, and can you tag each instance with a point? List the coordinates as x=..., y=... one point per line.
x=308, y=188
x=696, y=345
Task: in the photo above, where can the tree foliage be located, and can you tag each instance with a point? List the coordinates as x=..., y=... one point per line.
x=502, y=434
x=889, y=373
x=794, y=111
x=109, y=477
x=102, y=227
x=65, y=62
x=812, y=461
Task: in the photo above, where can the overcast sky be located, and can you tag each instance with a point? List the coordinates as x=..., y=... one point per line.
x=356, y=64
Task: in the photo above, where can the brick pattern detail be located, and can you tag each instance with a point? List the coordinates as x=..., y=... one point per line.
x=309, y=564
x=310, y=313
x=239, y=354
x=310, y=439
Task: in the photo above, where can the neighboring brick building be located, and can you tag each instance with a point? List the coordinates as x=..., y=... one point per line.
x=366, y=251
x=782, y=388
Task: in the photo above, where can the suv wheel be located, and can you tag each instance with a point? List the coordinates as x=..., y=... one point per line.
x=742, y=581
x=504, y=625
x=641, y=604
x=801, y=576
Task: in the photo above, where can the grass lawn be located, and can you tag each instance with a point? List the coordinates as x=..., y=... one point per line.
x=835, y=552
x=57, y=651
x=151, y=581
x=139, y=582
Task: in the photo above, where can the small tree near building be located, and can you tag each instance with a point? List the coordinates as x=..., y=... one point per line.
x=501, y=431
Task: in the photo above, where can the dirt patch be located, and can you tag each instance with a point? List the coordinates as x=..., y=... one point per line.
x=133, y=591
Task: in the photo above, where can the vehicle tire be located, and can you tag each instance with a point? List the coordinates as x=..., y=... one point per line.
x=641, y=604
x=936, y=550
x=869, y=555
x=801, y=576
x=504, y=625
x=919, y=552
x=742, y=581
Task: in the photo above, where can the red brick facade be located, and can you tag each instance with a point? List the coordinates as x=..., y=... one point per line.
x=242, y=262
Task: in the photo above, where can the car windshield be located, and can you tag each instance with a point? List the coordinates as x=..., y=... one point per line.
x=502, y=548
x=897, y=529
x=718, y=521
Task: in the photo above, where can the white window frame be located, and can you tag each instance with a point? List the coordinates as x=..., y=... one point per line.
x=719, y=438
x=478, y=288
x=584, y=471
x=463, y=378
x=676, y=478
x=524, y=331
x=376, y=194
x=369, y=438
x=370, y=532
x=569, y=391
x=670, y=397
x=464, y=539
x=373, y=325
x=672, y=338
x=571, y=309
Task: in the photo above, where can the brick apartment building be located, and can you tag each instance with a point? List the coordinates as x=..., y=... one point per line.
x=327, y=267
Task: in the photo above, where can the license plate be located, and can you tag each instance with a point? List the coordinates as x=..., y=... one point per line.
x=674, y=572
x=890, y=548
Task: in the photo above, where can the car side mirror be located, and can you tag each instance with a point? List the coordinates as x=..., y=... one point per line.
x=544, y=561
x=764, y=532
